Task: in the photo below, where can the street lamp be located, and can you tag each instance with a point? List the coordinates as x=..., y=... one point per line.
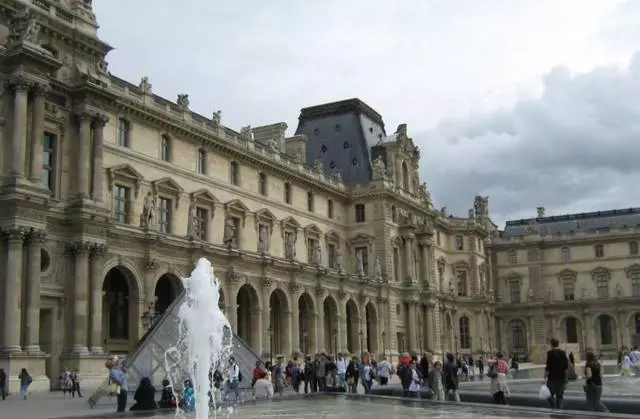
x=270, y=331
x=335, y=341
x=361, y=334
x=384, y=349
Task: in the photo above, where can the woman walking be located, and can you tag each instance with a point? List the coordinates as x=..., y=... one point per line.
x=25, y=382
x=593, y=384
x=498, y=371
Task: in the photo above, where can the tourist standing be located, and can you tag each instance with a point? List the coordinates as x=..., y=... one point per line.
x=352, y=376
x=25, y=382
x=416, y=380
x=384, y=371
x=593, y=384
x=117, y=375
x=233, y=379
x=555, y=373
x=451, y=379
x=341, y=366
x=499, y=371
x=75, y=383
x=367, y=373
x=65, y=383
x=435, y=381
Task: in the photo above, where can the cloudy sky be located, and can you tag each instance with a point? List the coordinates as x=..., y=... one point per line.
x=531, y=103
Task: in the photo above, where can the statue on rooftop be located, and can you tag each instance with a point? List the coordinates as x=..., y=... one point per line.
x=183, y=101
x=246, y=132
x=216, y=117
x=145, y=85
x=379, y=168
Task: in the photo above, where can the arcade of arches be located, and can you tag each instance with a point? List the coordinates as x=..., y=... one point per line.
x=602, y=332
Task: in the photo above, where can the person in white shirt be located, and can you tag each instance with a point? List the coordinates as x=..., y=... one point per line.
x=384, y=371
x=635, y=360
x=233, y=379
x=416, y=380
x=341, y=367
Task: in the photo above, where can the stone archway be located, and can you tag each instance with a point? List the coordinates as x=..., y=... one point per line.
x=353, y=323
x=166, y=291
x=306, y=323
x=371, y=317
x=247, y=301
x=605, y=332
x=120, y=310
x=571, y=330
x=331, y=327
x=279, y=318
x=517, y=337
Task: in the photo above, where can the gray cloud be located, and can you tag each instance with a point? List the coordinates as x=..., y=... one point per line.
x=575, y=148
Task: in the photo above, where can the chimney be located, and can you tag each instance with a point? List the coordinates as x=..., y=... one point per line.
x=540, y=212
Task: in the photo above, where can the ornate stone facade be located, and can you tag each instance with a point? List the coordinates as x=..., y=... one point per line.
x=110, y=194
x=575, y=277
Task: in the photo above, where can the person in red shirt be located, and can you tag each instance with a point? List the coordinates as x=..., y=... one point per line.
x=498, y=375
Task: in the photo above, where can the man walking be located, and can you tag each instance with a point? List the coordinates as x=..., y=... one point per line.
x=555, y=373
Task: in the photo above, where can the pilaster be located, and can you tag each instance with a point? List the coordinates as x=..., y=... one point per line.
x=81, y=252
x=12, y=313
x=32, y=319
x=37, y=133
x=84, y=156
x=99, y=123
x=20, y=89
x=98, y=253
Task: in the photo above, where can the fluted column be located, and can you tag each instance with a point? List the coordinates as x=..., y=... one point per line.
x=19, y=138
x=98, y=174
x=424, y=261
x=266, y=336
x=295, y=330
x=288, y=349
x=81, y=252
x=84, y=155
x=429, y=327
x=97, y=265
x=320, y=332
x=412, y=326
x=408, y=258
x=37, y=134
x=32, y=320
x=13, y=291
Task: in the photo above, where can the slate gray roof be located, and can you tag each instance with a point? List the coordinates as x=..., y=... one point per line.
x=573, y=223
x=340, y=135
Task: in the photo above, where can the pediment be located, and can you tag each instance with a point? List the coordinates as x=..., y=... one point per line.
x=236, y=205
x=204, y=195
x=332, y=236
x=567, y=274
x=289, y=223
x=632, y=269
x=361, y=238
x=167, y=184
x=514, y=276
x=461, y=264
x=265, y=214
x=599, y=271
x=126, y=171
x=312, y=230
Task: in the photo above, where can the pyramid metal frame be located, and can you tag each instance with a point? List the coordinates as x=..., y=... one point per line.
x=148, y=358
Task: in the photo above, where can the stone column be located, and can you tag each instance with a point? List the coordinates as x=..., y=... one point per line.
x=13, y=291
x=97, y=265
x=288, y=346
x=412, y=326
x=80, y=298
x=267, y=337
x=430, y=329
x=84, y=155
x=341, y=340
x=98, y=174
x=19, y=139
x=424, y=261
x=408, y=259
x=32, y=321
x=295, y=331
x=320, y=332
x=37, y=134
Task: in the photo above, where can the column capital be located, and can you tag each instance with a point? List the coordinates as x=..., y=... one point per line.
x=80, y=247
x=15, y=234
x=83, y=116
x=39, y=89
x=19, y=84
x=37, y=236
x=98, y=250
x=100, y=120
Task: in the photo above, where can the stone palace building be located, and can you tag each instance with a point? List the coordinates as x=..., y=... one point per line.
x=326, y=240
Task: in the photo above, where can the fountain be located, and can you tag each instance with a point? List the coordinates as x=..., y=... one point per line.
x=201, y=342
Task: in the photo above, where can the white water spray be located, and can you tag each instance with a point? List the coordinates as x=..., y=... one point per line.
x=204, y=336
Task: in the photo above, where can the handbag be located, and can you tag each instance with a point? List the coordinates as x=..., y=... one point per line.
x=492, y=372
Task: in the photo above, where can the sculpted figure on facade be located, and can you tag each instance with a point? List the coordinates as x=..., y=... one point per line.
x=550, y=295
x=529, y=294
x=229, y=232
x=532, y=227
x=148, y=211
x=425, y=195
x=23, y=27
x=216, y=117
x=443, y=211
x=619, y=291
x=379, y=168
x=246, y=132
x=289, y=246
x=481, y=206
x=338, y=260
x=183, y=101
x=585, y=294
x=318, y=166
x=336, y=175
x=359, y=263
x=193, y=223
x=451, y=288
x=264, y=239
x=378, y=269
x=317, y=255
x=145, y=86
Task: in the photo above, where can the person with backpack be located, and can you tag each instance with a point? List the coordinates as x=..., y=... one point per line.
x=404, y=373
x=25, y=382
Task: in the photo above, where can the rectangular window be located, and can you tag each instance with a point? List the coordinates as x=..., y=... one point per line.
x=599, y=250
x=365, y=258
x=568, y=291
x=202, y=215
x=331, y=253
x=121, y=196
x=262, y=186
x=565, y=254
x=635, y=284
x=48, y=160
x=287, y=193
x=360, y=214
x=602, y=285
x=330, y=208
x=459, y=243
x=201, y=162
x=123, y=132
x=512, y=257
x=571, y=328
x=311, y=245
x=234, y=174
x=310, y=201
x=514, y=291
x=633, y=248
x=165, y=148
x=396, y=263
x=164, y=215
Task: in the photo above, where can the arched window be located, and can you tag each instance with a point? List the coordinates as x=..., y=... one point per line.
x=405, y=176
x=606, y=330
x=571, y=329
x=465, y=335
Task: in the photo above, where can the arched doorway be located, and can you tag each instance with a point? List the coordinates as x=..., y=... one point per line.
x=330, y=309
x=517, y=337
x=307, y=326
x=353, y=322
x=571, y=330
x=119, y=310
x=247, y=315
x=372, y=328
x=279, y=322
x=167, y=289
x=465, y=332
